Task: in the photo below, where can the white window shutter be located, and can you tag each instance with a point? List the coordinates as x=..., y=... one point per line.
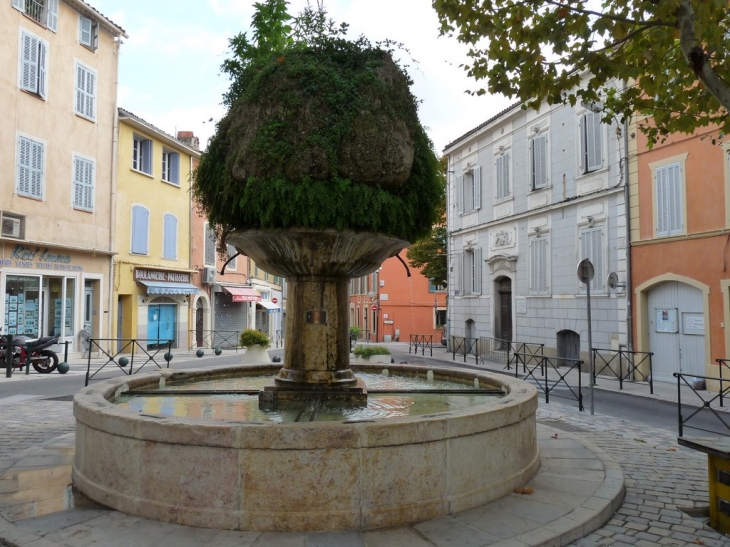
x=24, y=152
x=662, y=202
x=458, y=194
x=80, y=86
x=91, y=95
x=674, y=187
x=477, y=270
x=498, y=175
x=505, y=175
x=42, y=67
x=539, y=161
x=477, y=186
x=89, y=178
x=582, y=144
x=29, y=69
x=592, y=128
x=52, y=15
x=36, y=164
x=18, y=4
x=78, y=191
x=85, y=36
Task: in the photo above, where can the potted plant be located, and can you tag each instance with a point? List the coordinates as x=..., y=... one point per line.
x=256, y=344
x=372, y=354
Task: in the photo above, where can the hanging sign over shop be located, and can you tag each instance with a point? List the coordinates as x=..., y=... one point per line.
x=159, y=275
x=42, y=258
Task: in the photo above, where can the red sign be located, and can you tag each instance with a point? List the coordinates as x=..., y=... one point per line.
x=375, y=307
x=274, y=300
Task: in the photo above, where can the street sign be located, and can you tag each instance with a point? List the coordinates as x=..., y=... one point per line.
x=374, y=307
x=585, y=270
x=274, y=300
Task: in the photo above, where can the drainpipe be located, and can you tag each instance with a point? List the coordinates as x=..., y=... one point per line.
x=191, y=308
x=629, y=291
x=111, y=307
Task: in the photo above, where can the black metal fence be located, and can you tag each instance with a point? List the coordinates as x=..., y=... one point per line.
x=422, y=341
x=131, y=356
x=465, y=347
x=494, y=349
x=553, y=378
x=525, y=353
x=224, y=339
x=700, y=405
x=623, y=365
x=723, y=365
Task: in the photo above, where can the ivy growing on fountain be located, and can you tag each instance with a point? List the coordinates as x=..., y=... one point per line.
x=322, y=132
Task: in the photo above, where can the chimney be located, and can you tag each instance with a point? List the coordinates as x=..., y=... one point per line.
x=189, y=138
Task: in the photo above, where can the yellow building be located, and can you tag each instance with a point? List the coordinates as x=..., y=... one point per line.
x=58, y=97
x=152, y=269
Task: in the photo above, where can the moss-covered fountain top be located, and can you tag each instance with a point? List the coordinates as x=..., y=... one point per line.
x=319, y=172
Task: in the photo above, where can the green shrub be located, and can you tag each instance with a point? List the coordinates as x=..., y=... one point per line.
x=253, y=337
x=367, y=351
x=355, y=332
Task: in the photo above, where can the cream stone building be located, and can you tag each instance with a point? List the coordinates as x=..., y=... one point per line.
x=58, y=96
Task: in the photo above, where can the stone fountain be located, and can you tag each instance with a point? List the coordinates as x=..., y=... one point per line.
x=317, y=189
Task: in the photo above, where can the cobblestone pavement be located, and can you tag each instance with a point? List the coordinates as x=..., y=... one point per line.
x=661, y=477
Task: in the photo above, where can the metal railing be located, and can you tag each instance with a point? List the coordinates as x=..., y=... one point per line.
x=704, y=408
x=423, y=341
x=525, y=353
x=35, y=10
x=722, y=364
x=224, y=339
x=552, y=375
x=494, y=349
x=622, y=365
x=465, y=346
x=132, y=347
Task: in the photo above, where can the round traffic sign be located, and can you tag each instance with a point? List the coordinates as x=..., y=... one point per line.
x=585, y=270
x=274, y=300
x=375, y=307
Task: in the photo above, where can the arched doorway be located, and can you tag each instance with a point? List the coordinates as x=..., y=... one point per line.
x=470, y=330
x=503, y=311
x=568, y=346
x=199, y=335
x=676, y=329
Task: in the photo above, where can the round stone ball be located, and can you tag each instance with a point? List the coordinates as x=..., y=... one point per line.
x=123, y=361
x=168, y=357
x=63, y=367
x=218, y=351
x=200, y=353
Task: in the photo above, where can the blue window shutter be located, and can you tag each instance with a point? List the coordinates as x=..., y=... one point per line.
x=147, y=156
x=175, y=168
x=140, y=226
x=170, y=243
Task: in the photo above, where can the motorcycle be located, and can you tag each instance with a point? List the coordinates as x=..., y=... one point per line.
x=43, y=360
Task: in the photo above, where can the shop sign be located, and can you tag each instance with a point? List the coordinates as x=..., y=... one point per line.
x=159, y=275
x=23, y=256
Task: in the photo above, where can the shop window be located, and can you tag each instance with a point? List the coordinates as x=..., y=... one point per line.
x=22, y=305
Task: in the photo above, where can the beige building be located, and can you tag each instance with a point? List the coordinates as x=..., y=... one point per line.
x=58, y=98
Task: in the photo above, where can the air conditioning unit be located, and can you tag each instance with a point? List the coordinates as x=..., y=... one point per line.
x=12, y=225
x=209, y=276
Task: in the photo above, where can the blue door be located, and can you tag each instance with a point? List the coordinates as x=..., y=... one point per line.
x=161, y=324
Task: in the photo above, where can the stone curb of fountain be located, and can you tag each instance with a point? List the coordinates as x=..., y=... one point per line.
x=582, y=517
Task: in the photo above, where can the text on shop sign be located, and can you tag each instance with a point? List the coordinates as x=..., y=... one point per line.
x=41, y=258
x=156, y=275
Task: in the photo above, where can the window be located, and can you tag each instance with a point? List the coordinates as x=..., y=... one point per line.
x=435, y=288
x=469, y=190
x=171, y=167
x=88, y=33
x=501, y=176
x=668, y=180
x=440, y=317
x=230, y=252
x=142, y=154
x=85, y=92
x=169, y=243
x=84, y=182
x=140, y=230
x=30, y=168
x=472, y=272
x=33, y=64
x=539, y=266
x=538, y=161
x=591, y=247
x=43, y=12
x=591, y=143
x=209, y=246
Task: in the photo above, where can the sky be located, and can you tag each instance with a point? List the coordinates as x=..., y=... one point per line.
x=170, y=75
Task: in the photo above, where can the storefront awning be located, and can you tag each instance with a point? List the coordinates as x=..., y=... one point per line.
x=242, y=294
x=160, y=287
x=270, y=306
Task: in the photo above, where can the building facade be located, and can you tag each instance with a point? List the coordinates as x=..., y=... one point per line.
x=390, y=306
x=58, y=96
x=680, y=221
x=530, y=195
x=153, y=274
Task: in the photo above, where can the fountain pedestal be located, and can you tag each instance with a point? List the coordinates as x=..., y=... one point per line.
x=317, y=265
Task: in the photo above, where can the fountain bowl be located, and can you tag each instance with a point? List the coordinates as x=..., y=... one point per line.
x=313, y=476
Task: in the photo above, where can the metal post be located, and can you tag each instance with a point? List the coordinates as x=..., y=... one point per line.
x=620, y=370
x=9, y=355
x=679, y=403
x=590, y=344
x=65, y=352
x=719, y=362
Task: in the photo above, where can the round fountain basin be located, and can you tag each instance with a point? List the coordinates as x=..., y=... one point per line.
x=302, y=476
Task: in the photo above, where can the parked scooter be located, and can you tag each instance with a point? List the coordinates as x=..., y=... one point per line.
x=43, y=360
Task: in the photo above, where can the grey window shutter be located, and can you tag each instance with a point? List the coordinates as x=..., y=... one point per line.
x=533, y=265
x=539, y=161
x=662, y=202
x=175, y=168
x=36, y=162
x=594, y=153
x=499, y=176
x=18, y=4
x=582, y=143
x=506, y=176
x=456, y=277
x=42, y=67
x=52, y=15
x=458, y=194
x=674, y=187
x=477, y=182
x=478, y=270
x=543, y=262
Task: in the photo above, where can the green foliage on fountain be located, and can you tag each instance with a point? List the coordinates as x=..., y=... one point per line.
x=253, y=337
x=322, y=133
x=366, y=352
